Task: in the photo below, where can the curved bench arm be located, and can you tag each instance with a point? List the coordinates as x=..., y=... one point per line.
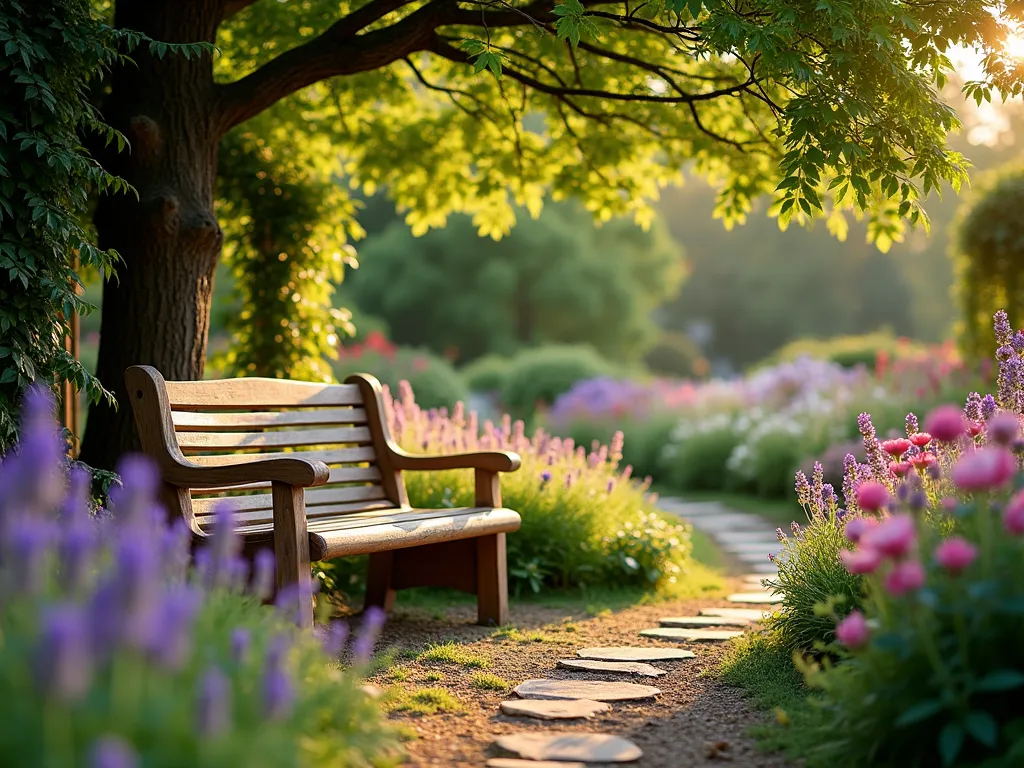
x=297, y=472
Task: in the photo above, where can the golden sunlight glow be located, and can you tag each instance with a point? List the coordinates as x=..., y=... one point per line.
x=1013, y=46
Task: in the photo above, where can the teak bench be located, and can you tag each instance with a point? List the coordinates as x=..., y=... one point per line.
x=229, y=441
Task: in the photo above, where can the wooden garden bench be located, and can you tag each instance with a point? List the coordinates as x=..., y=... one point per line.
x=232, y=440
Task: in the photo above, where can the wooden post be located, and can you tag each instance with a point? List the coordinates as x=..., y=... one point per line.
x=291, y=548
x=70, y=404
x=491, y=561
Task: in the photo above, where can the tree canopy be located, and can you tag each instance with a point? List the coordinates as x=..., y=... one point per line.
x=555, y=279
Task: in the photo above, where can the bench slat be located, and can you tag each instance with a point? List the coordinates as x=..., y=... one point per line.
x=376, y=532
x=336, y=456
x=338, y=475
x=258, y=393
x=314, y=497
x=220, y=441
x=191, y=421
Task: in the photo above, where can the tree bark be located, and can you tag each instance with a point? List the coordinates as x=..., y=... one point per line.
x=156, y=310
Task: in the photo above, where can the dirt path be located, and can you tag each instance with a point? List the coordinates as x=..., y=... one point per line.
x=695, y=722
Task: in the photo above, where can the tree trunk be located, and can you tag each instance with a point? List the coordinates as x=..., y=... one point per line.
x=156, y=311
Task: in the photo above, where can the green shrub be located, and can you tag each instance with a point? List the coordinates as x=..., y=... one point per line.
x=698, y=461
x=675, y=354
x=433, y=376
x=847, y=351
x=486, y=374
x=538, y=376
x=645, y=439
x=988, y=257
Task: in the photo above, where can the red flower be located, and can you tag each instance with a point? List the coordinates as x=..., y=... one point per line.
x=922, y=461
x=921, y=439
x=896, y=447
x=899, y=468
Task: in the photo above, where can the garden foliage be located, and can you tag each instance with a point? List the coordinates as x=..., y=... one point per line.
x=586, y=522
x=117, y=652
x=536, y=377
x=921, y=668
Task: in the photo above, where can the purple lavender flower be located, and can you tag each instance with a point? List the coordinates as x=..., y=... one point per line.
x=803, y=489
x=28, y=542
x=362, y=648
x=850, y=481
x=972, y=409
x=1001, y=325
x=132, y=501
x=545, y=476
x=77, y=547
x=988, y=407
x=76, y=503
x=872, y=448
x=171, y=640
x=112, y=752
x=334, y=638
x=1018, y=342
x=278, y=689
x=780, y=534
x=64, y=664
x=213, y=708
x=1008, y=381
x=138, y=587
x=241, y=641
x=611, y=486
x=290, y=599
x=263, y=574
x=912, y=426
x=175, y=550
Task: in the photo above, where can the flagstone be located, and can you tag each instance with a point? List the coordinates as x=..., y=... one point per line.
x=627, y=653
x=694, y=622
x=692, y=635
x=750, y=614
x=621, y=667
x=767, y=598
x=585, y=747
x=593, y=690
x=554, y=709
x=515, y=762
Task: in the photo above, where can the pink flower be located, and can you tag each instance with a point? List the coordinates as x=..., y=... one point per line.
x=1013, y=515
x=899, y=468
x=922, y=461
x=872, y=496
x=862, y=561
x=1003, y=428
x=946, y=423
x=955, y=554
x=896, y=447
x=853, y=631
x=857, y=526
x=893, y=538
x=984, y=469
x=921, y=439
x=904, y=577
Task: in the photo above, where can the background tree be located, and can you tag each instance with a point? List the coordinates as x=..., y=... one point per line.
x=554, y=279
x=835, y=101
x=989, y=258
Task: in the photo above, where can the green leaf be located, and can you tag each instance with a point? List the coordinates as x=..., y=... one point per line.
x=919, y=712
x=1001, y=680
x=982, y=726
x=951, y=741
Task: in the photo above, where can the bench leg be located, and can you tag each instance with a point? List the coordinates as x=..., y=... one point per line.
x=291, y=549
x=491, y=580
x=379, y=587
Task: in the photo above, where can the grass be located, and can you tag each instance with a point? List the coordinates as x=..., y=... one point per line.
x=516, y=635
x=423, y=701
x=486, y=681
x=398, y=674
x=764, y=668
x=452, y=653
x=433, y=677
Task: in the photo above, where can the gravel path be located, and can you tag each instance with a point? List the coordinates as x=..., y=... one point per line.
x=696, y=721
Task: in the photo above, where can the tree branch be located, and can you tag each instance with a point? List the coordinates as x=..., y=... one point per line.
x=231, y=7
x=339, y=50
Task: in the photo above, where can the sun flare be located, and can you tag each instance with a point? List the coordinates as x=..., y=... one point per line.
x=1013, y=46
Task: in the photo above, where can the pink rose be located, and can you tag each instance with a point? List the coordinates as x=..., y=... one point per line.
x=893, y=537
x=985, y=469
x=853, y=631
x=904, y=577
x=861, y=561
x=955, y=554
x=872, y=496
x=946, y=423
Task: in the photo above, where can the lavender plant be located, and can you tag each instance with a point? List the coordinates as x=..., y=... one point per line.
x=117, y=651
x=586, y=521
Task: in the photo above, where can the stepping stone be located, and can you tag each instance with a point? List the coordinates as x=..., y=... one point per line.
x=625, y=653
x=624, y=667
x=747, y=537
x=592, y=690
x=692, y=635
x=755, y=548
x=515, y=762
x=553, y=709
x=750, y=614
x=766, y=598
x=693, y=622
x=764, y=567
x=563, y=747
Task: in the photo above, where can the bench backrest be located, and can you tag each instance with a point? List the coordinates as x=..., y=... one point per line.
x=227, y=421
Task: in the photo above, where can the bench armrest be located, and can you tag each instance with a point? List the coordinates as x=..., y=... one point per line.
x=490, y=461
x=295, y=472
